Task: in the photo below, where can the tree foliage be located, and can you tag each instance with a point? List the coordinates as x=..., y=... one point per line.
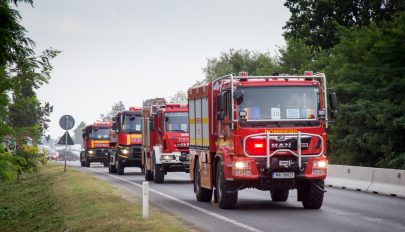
x=117, y=107
x=367, y=70
x=179, y=97
x=235, y=61
x=21, y=73
x=316, y=22
x=77, y=133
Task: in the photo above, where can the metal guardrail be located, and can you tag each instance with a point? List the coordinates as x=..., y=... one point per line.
x=268, y=136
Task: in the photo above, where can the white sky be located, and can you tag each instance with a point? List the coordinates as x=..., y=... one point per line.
x=132, y=50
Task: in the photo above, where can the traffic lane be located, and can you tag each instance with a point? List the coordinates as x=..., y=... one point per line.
x=343, y=210
x=256, y=209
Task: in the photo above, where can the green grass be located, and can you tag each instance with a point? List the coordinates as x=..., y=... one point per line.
x=74, y=201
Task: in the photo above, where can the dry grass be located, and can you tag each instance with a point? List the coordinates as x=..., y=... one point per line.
x=76, y=201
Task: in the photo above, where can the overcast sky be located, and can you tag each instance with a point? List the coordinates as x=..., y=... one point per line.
x=132, y=50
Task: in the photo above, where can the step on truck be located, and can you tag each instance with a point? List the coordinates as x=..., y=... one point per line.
x=263, y=132
x=96, y=144
x=165, y=139
x=126, y=138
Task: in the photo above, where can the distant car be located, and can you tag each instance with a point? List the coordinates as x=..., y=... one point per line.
x=54, y=156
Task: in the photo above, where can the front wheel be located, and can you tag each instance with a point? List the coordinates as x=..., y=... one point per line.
x=120, y=168
x=111, y=166
x=158, y=173
x=312, y=194
x=227, y=195
x=148, y=173
x=201, y=193
x=87, y=162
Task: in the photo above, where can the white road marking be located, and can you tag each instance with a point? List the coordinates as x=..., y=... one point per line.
x=220, y=217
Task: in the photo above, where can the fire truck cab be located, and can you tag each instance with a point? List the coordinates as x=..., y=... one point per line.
x=165, y=139
x=126, y=138
x=263, y=132
x=96, y=144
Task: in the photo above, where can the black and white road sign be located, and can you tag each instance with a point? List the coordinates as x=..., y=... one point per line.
x=67, y=122
x=66, y=141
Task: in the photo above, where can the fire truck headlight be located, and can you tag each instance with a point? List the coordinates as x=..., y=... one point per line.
x=241, y=168
x=91, y=152
x=166, y=157
x=320, y=164
x=241, y=165
x=124, y=151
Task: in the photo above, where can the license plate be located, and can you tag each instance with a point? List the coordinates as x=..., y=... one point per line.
x=283, y=175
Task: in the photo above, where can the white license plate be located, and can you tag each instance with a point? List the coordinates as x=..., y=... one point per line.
x=283, y=175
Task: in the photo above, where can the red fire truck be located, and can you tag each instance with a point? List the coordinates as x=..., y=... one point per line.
x=126, y=138
x=96, y=144
x=165, y=139
x=263, y=132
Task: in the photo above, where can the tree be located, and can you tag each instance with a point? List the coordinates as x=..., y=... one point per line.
x=117, y=107
x=316, y=22
x=234, y=62
x=26, y=114
x=77, y=133
x=20, y=74
x=367, y=70
x=295, y=57
x=179, y=97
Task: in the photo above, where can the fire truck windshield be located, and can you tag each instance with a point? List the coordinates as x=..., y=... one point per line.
x=280, y=103
x=131, y=123
x=100, y=133
x=176, y=121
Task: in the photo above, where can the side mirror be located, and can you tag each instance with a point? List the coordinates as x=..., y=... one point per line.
x=238, y=96
x=333, y=105
x=83, y=135
x=114, y=126
x=220, y=115
x=220, y=102
x=114, y=119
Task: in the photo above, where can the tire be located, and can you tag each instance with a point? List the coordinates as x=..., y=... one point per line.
x=201, y=193
x=227, y=195
x=111, y=167
x=279, y=194
x=83, y=164
x=312, y=194
x=120, y=168
x=87, y=162
x=148, y=173
x=158, y=172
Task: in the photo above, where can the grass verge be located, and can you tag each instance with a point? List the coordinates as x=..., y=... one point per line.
x=73, y=201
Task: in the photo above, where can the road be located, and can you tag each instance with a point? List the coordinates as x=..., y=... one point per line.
x=343, y=210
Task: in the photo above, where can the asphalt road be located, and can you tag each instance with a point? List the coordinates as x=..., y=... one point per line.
x=343, y=210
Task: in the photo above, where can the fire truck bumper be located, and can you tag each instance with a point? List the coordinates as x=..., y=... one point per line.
x=282, y=169
x=175, y=162
x=131, y=158
x=98, y=155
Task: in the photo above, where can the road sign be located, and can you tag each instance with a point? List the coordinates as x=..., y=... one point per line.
x=66, y=139
x=67, y=122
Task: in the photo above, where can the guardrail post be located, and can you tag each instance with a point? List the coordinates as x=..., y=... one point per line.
x=145, y=199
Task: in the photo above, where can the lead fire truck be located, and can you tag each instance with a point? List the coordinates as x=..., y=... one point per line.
x=263, y=132
x=126, y=138
x=165, y=139
x=96, y=144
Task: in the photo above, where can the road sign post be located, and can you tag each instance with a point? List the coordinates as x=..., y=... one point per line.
x=67, y=122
